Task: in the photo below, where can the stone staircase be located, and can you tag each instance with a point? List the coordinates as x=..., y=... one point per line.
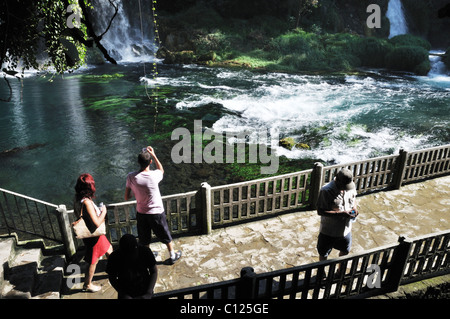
x=27, y=273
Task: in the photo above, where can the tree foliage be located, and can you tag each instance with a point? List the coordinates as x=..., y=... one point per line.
x=41, y=34
x=304, y=7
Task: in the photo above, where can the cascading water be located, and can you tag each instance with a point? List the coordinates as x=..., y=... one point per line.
x=396, y=17
x=439, y=71
x=125, y=40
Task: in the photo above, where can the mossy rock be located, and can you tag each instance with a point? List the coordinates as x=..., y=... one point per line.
x=410, y=40
x=231, y=64
x=290, y=144
x=302, y=146
x=287, y=142
x=409, y=59
x=423, y=68
x=181, y=57
x=371, y=51
x=210, y=56
x=94, y=56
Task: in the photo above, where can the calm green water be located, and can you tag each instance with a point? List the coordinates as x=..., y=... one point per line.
x=86, y=122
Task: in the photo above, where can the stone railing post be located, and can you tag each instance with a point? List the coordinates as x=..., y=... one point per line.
x=316, y=184
x=399, y=262
x=206, y=208
x=66, y=231
x=400, y=168
x=246, y=288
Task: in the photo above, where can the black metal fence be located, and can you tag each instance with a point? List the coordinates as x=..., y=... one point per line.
x=28, y=217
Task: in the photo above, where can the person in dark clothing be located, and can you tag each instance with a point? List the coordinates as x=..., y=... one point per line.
x=132, y=269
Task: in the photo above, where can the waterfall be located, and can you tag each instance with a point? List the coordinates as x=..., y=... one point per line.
x=396, y=17
x=124, y=40
x=438, y=69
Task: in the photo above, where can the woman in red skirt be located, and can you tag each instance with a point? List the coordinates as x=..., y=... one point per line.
x=93, y=217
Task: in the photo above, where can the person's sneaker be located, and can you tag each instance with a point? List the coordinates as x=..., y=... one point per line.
x=171, y=260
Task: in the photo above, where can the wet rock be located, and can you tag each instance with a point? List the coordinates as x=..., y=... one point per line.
x=210, y=56
x=289, y=143
x=21, y=148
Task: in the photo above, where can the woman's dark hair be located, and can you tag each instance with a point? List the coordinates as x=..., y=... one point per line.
x=85, y=187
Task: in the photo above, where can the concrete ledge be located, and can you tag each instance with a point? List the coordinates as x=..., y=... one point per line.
x=433, y=288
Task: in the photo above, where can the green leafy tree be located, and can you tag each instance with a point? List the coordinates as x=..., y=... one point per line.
x=304, y=7
x=46, y=34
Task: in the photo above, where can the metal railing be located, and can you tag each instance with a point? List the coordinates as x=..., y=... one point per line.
x=30, y=217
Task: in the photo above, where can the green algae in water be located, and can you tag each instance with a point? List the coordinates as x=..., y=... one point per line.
x=113, y=104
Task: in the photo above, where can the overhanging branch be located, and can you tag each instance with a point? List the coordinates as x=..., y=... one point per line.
x=91, y=33
x=10, y=91
x=116, y=8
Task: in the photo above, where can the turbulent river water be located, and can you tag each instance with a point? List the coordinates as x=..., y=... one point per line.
x=97, y=119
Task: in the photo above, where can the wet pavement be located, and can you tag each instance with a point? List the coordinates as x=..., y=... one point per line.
x=290, y=240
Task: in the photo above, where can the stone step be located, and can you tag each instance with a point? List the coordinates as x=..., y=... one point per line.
x=20, y=273
x=27, y=273
x=6, y=249
x=24, y=256
x=49, y=279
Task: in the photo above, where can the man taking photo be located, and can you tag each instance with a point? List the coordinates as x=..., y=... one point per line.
x=150, y=210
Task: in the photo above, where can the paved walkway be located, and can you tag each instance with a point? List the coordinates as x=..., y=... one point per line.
x=289, y=240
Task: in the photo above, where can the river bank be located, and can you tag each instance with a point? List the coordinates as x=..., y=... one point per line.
x=203, y=33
